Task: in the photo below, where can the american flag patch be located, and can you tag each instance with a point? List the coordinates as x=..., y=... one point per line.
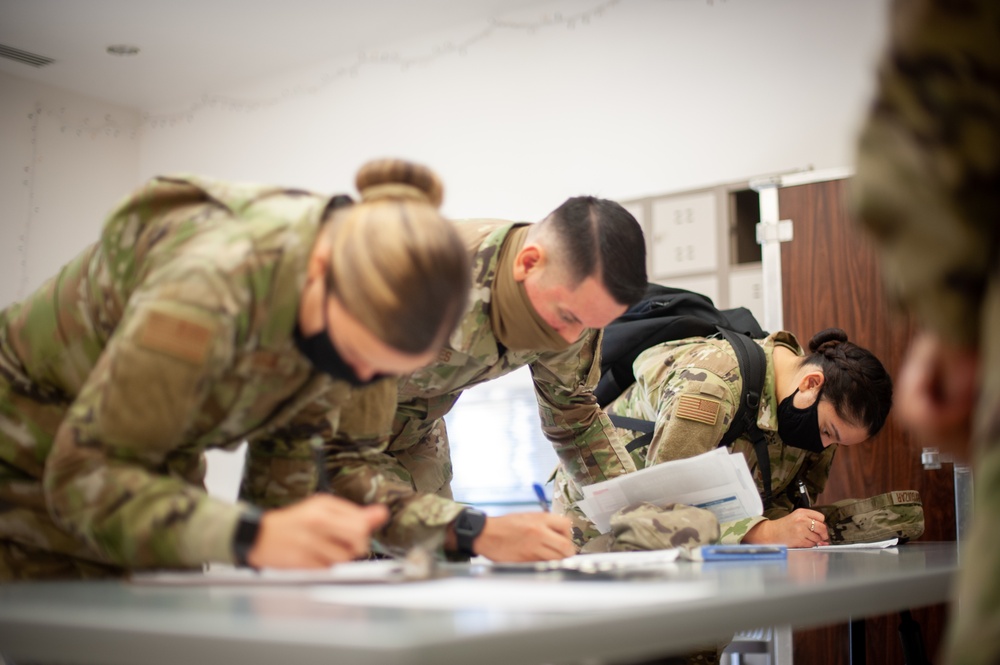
x=698, y=409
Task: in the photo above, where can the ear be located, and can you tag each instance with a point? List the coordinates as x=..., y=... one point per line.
x=319, y=260
x=812, y=380
x=529, y=259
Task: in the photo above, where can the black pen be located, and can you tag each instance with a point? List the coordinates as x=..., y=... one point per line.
x=322, y=478
x=804, y=493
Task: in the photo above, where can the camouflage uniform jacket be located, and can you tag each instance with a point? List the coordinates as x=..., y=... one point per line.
x=928, y=189
x=928, y=168
x=170, y=335
x=674, y=376
x=412, y=474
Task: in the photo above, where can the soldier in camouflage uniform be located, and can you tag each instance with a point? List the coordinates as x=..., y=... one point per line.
x=541, y=293
x=927, y=189
x=199, y=320
x=838, y=395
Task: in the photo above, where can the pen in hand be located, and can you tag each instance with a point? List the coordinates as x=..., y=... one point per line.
x=540, y=493
x=804, y=493
x=322, y=477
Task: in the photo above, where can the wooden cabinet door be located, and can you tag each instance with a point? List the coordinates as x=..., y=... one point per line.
x=830, y=277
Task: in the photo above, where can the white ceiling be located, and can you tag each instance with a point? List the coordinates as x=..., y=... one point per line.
x=194, y=47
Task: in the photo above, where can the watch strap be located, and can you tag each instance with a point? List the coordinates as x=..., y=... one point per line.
x=245, y=535
x=468, y=525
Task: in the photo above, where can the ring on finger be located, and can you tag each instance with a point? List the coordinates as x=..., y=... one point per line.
x=812, y=525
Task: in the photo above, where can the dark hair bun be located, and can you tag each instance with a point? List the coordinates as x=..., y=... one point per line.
x=825, y=339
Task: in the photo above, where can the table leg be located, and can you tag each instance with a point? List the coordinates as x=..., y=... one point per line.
x=856, y=636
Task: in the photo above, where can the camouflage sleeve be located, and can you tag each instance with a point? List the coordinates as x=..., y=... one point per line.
x=694, y=410
x=109, y=479
x=581, y=433
x=928, y=167
x=284, y=467
x=731, y=533
x=693, y=414
x=362, y=469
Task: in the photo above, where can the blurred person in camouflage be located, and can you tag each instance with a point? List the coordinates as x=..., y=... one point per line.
x=207, y=314
x=927, y=190
x=838, y=394
x=541, y=294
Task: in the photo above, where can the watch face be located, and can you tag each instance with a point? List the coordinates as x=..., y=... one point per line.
x=470, y=521
x=468, y=526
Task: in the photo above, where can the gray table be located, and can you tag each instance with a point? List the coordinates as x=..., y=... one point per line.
x=118, y=623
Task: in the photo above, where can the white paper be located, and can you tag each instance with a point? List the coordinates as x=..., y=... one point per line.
x=597, y=562
x=352, y=572
x=717, y=481
x=514, y=594
x=878, y=545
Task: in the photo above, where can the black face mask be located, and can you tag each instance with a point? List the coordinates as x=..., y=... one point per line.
x=799, y=428
x=323, y=355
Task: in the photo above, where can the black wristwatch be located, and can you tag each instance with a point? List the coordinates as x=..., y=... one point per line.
x=468, y=525
x=246, y=535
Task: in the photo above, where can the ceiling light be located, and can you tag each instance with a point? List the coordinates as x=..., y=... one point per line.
x=123, y=49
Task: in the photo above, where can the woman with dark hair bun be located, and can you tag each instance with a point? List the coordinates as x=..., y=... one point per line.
x=837, y=395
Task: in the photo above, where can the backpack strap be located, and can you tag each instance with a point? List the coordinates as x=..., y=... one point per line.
x=636, y=425
x=753, y=365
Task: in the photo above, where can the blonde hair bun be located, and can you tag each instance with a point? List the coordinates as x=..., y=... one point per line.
x=396, y=264
x=397, y=179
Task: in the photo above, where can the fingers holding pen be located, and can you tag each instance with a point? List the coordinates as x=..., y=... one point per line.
x=316, y=532
x=801, y=528
x=814, y=527
x=526, y=537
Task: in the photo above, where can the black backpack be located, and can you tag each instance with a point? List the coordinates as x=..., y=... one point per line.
x=666, y=314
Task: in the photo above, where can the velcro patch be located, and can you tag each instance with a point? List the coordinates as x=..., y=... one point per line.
x=905, y=496
x=178, y=338
x=698, y=409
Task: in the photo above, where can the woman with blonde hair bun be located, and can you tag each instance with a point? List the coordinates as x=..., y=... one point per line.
x=210, y=313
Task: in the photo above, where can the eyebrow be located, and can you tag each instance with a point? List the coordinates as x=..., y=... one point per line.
x=836, y=434
x=571, y=315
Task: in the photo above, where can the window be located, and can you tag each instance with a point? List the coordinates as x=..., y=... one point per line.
x=497, y=446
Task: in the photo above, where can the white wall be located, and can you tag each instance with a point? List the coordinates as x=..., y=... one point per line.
x=650, y=96
x=65, y=161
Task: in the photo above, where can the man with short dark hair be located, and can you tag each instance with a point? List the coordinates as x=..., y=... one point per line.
x=541, y=294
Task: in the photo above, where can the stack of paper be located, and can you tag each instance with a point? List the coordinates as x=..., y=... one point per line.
x=717, y=481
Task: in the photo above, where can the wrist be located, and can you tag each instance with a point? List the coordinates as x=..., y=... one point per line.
x=757, y=534
x=245, y=535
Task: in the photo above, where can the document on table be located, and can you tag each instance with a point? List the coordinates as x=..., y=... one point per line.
x=717, y=481
x=878, y=545
x=597, y=562
x=351, y=572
